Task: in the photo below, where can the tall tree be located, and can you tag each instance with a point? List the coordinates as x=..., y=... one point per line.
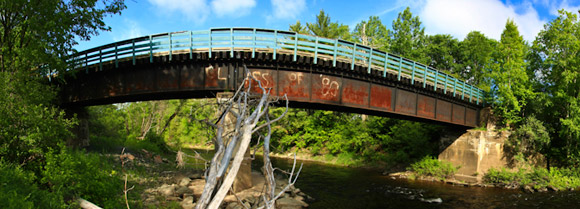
x=476, y=51
x=299, y=28
x=511, y=83
x=408, y=37
x=42, y=33
x=325, y=28
x=372, y=33
x=34, y=36
x=556, y=61
x=444, y=53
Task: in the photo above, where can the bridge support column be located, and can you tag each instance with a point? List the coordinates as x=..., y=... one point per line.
x=80, y=131
x=476, y=151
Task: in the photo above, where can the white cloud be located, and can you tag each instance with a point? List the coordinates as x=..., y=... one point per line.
x=130, y=29
x=287, y=9
x=194, y=10
x=459, y=17
x=232, y=8
x=554, y=7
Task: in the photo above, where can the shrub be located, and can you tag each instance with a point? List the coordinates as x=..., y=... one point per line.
x=18, y=190
x=74, y=174
x=430, y=166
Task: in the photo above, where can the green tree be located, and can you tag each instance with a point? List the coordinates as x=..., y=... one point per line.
x=37, y=35
x=408, y=37
x=511, y=83
x=299, y=28
x=476, y=51
x=444, y=53
x=372, y=33
x=323, y=27
x=556, y=59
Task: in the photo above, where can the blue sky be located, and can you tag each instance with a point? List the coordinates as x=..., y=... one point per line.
x=455, y=17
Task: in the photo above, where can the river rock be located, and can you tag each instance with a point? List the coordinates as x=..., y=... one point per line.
x=167, y=190
x=187, y=203
x=184, y=182
x=431, y=200
x=196, y=176
x=552, y=188
x=288, y=203
x=528, y=189
x=236, y=205
x=183, y=191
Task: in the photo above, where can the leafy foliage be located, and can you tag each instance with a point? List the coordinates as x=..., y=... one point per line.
x=74, y=174
x=511, y=83
x=561, y=178
x=19, y=190
x=408, y=37
x=429, y=166
x=528, y=139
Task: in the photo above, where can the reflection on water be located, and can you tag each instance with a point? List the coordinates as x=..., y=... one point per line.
x=342, y=187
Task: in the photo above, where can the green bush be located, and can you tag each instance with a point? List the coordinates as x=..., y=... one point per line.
x=430, y=166
x=73, y=174
x=19, y=190
x=561, y=178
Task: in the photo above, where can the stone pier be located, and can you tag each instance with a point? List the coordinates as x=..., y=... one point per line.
x=476, y=151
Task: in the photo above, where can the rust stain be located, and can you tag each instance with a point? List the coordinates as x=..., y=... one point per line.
x=426, y=106
x=458, y=114
x=443, y=111
x=406, y=102
x=381, y=97
x=355, y=92
x=470, y=116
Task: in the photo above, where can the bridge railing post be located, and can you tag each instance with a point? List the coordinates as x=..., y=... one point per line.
x=386, y=63
x=436, y=77
x=295, y=45
x=446, y=81
x=100, y=59
x=209, y=42
x=133, y=50
x=413, y=74
x=425, y=76
x=353, y=56
x=370, y=60
x=254, y=44
x=86, y=63
x=400, y=68
x=316, y=50
x=454, y=86
x=276, y=45
x=150, y=49
x=335, y=52
x=190, y=44
x=170, y=46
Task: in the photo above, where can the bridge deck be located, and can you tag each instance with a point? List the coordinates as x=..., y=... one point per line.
x=276, y=42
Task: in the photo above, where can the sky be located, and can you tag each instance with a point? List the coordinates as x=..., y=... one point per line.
x=454, y=17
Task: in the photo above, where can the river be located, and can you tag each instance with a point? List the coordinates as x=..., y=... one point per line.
x=344, y=187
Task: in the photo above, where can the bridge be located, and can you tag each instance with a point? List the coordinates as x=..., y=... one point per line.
x=314, y=72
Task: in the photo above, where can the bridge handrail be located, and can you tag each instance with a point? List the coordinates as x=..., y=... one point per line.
x=253, y=39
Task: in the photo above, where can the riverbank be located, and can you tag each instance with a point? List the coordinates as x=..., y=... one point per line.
x=155, y=181
x=526, y=179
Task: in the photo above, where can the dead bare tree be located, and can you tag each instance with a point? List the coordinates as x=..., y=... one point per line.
x=247, y=109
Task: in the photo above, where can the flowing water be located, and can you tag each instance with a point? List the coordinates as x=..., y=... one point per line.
x=343, y=187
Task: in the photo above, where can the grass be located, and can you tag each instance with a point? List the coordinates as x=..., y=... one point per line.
x=560, y=178
x=430, y=166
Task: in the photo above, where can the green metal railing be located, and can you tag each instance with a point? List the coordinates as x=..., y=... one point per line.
x=252, y=39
